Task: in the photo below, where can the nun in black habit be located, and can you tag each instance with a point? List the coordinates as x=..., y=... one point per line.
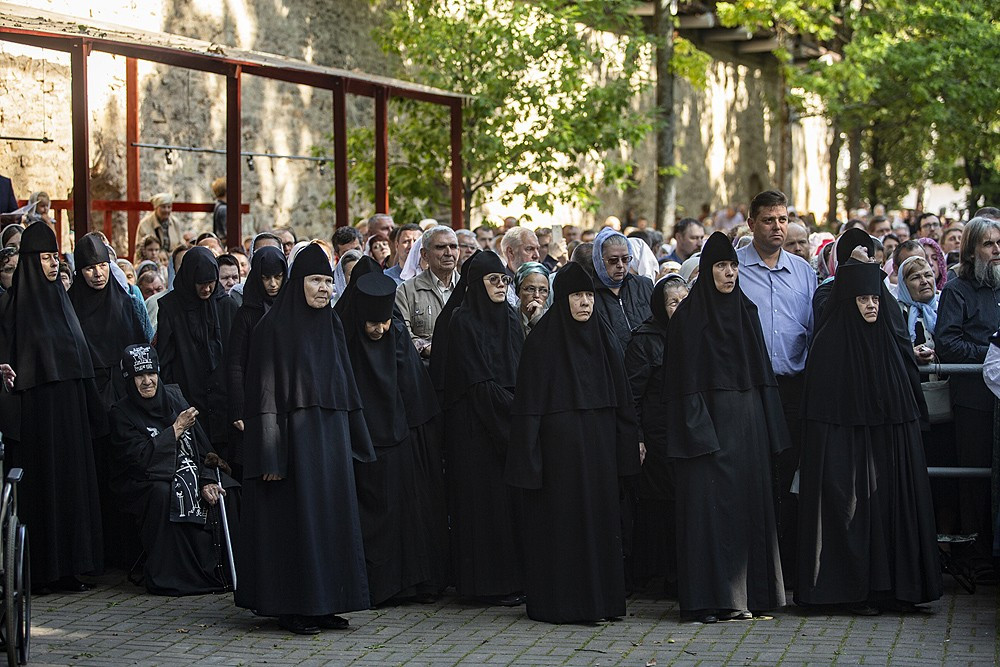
x=110, y=324
x=654, y=546
x=396, y=519
x=573, y=434
x=867, y=537
x=193, y=326
x=59, y=403
x=301, y=551
x=484, y=346
x=267, y=274
x=162, y=479
x=725, y=421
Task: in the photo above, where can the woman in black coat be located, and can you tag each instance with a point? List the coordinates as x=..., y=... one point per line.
x=866, y=520
x=573, y=434
x=161, y=478
x=267, y=274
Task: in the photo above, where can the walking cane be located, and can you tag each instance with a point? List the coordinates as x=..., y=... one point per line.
x=225, y=528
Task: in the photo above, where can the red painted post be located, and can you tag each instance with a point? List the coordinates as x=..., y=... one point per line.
x=234, y=164
x=457, y=187
x=131, y=150
x=81, y=138
x=340, y=153
x=381, y=151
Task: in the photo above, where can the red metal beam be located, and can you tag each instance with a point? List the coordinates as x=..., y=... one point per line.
x=457, y=186
x=123, y=205
x=340, y=153
x=234, y=164
x=381, y=151
x=81, y=138
x=131, y=150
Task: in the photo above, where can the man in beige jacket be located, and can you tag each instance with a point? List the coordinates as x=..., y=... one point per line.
x=159, y=223
x=421, y=298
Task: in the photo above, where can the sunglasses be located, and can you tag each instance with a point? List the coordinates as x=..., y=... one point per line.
x=499, y=280
x=618, y=260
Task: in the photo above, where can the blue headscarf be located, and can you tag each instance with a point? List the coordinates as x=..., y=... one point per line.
x=926, y=311
x=526, y=270
x=602, y=271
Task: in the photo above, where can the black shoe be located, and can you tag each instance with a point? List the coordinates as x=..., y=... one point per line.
x=699, y=616
x=864, y=609
x=511, y=600
x=331, y=622
x=69, y=585
x=300, y=625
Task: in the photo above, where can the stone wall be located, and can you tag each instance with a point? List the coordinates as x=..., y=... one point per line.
x=728, y=135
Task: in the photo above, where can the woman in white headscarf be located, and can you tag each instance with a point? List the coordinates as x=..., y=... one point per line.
x=643, y=262
x=342, y=272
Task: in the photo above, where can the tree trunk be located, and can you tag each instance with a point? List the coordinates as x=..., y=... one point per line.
x=836, y=141
x=854, y=171
x=666, y=179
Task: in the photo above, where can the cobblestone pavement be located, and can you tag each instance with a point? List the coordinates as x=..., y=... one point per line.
x=118, y=624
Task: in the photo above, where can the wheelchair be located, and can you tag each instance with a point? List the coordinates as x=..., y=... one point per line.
x=15, y=576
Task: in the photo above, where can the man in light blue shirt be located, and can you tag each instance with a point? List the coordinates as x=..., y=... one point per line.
x=781, y=285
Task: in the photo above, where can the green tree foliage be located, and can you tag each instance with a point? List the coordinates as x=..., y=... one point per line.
x=918, y=78
x=553, y=106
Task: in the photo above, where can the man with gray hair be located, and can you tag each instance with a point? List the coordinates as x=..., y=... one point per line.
x=467, y=245
x=380, y=223
x=968, y=314
x=518, y=245
x=421, y=298
x=797, y=240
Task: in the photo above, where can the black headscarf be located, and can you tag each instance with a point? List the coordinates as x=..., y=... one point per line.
x=856, y=374
x=850, y=240
x=569, y=365
x=46, y=341
x=485, y=338
x=267, y=261
x=107, y=316
x=159, y=410
x=388, y=369
x=201, y=315
x=362, y=267
x=297, y=354
x=714, y=340
x=439, y=349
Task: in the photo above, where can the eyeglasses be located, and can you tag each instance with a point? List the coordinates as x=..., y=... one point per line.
x=499, y=279
x=539, y=291
x=933, y=225
x=627, y=259
x=467, y=246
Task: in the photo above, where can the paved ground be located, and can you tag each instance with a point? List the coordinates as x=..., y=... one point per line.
x=117, y=624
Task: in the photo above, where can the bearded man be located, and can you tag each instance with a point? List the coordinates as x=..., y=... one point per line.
x=968, y=314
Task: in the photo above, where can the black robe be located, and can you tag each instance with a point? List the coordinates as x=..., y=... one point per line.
x=573, y=434
x=653, y=548
x=267, y=261
x=182, y=558
x=485, y=340
x=866, y=519
x=110, y=324
x=300, y=537
x=190, y=338
x=397, y=519
x=55, y=417
x=725, y=420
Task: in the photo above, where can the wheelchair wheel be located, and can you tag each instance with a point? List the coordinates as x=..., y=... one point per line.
x=9, y=594
x=22, y=602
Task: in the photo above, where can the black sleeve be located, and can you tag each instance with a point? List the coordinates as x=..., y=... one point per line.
x=237, y=353
x=140, y=454
x=491, y=404
x=638, y=369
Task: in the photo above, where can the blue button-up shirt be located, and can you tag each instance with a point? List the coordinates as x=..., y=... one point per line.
x=783, y=296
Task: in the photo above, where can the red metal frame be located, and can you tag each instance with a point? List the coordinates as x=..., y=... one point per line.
x=62, y=33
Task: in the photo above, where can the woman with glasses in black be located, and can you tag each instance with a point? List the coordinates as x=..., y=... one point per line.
x=480, y=371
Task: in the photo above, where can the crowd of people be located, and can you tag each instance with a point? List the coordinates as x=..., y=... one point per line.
x=551, y=418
